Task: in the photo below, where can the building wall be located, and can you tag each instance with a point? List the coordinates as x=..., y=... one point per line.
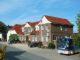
x=60, y=31
x=0, y=36
x=9, y=33
x=22, y=38
x=49, y=31
x=45, y=33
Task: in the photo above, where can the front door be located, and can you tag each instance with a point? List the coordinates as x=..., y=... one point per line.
x=27, y=38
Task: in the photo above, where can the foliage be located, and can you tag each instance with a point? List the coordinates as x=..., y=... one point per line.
x=76, y=39
x=40, y=44
x=14, y=38
x=3, y=29
x=29, y=42
x=51, y=45
x=78, y=22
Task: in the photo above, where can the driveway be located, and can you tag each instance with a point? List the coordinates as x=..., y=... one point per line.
x=23, y=52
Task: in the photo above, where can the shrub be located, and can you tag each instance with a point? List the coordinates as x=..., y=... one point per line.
x=51, y=45
x=14, y=38
x=40, y=44
x=76, y=39
x=29, y=42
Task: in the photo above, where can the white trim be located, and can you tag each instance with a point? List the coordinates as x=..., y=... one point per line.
x=45, y=20
x=27, y=25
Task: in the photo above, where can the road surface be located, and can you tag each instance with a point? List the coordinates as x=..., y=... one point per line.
x=22, y=52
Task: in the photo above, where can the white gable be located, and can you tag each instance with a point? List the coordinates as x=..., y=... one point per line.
x=44, y=20
x=22, y=29
x=39, y=23
x=27, y=25
x=37, y=27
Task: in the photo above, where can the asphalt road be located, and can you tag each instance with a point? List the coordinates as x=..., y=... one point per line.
x=17, y=54
x=14, y=53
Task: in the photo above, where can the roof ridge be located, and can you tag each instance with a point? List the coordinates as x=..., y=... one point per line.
x=58, y=20
x=55, y=17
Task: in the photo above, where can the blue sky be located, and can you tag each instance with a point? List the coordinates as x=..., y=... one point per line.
x=21, y=11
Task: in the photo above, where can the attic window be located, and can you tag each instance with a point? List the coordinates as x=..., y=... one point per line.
x=63, y=28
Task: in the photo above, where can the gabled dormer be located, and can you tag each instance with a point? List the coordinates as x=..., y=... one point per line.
x=27, y=28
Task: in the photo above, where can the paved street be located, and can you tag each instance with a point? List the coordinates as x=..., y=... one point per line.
x=22, y=52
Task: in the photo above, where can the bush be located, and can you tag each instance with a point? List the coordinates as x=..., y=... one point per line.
x=29, y=42
x=14, y=38
x=33, y=44
x=40, y=44
x=51, y=45
x=76, y=39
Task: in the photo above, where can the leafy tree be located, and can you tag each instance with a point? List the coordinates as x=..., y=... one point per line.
x=78, y=22
x=3, y=29
x=14, y=38
x=76, y=39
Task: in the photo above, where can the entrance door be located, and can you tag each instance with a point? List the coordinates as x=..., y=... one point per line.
x=27, y=38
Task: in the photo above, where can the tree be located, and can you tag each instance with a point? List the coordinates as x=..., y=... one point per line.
x=78, y=22
x=14, y=38
x=76, y=39
x=3, y=29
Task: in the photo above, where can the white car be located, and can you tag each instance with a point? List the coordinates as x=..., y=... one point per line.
x=66, y=51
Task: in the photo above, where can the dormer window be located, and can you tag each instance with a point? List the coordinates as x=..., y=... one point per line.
x=63, y=28
x=37, y=27
x=42, y=27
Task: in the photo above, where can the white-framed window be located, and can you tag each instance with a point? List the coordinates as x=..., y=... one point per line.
x=63, y=28
x=47, y=38
x=33, y=38
x=36, y=39
x=47, y=33
x=42, y=27
x=42, y=38
x=37, y=27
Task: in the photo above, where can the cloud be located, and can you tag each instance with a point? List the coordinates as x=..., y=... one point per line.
x=9, y=5
x=22, y=19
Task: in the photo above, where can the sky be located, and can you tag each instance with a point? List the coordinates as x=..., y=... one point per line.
x=22, y=11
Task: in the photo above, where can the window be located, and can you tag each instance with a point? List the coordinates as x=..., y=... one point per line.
x=33, y=38
x=37, y=27
x=46, y=28
x=42, y=27
x=58, y=28
x=47, y=34
x=42, y=38
x=47, y=38
x=54, y=37
x=29, y=29
x=63, y=28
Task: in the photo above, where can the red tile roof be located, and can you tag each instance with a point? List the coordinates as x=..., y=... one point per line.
x=35, y=32
x=33, y=23
x=18, y=29
x=57, y=20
